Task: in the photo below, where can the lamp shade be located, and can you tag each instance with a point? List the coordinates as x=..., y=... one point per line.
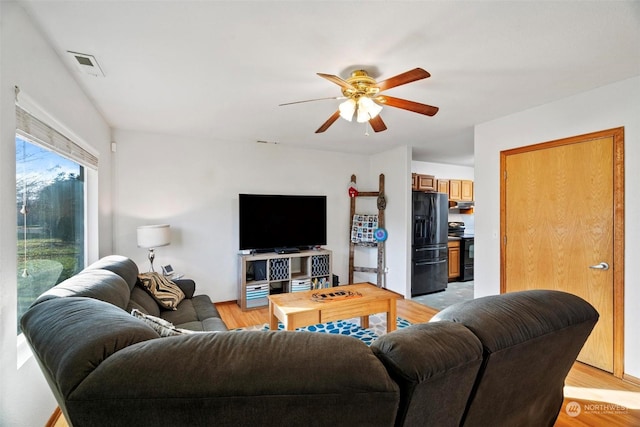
x=347, y=108
x=153, y=236
x=367, y=109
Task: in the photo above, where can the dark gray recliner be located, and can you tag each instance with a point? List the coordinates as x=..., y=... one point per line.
x=530, y=339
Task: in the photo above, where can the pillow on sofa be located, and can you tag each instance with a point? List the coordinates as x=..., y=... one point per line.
x=163, y=290
x=161, y=326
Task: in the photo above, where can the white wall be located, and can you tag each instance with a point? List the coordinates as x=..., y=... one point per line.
x=193, y=184
x=28, y=61
x=607, y=107
x=396, y=166
x=442, y=170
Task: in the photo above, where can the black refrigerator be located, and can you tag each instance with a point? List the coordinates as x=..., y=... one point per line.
x=429, y=269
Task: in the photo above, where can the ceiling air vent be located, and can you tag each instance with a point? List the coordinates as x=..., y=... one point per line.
x=86, y=64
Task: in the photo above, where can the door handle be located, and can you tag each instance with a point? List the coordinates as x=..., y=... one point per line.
x=601, y=266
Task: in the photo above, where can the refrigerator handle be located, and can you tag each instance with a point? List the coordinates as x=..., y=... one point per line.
x=419, y=228
x=432, y=219
x=431, y=248
x=431, y=262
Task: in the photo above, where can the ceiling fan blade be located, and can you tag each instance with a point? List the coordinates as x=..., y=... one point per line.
x=329, y=122
x=377, y=124
x=311, y=100
x=416, y=107
x=404, y=78
x=337, y=80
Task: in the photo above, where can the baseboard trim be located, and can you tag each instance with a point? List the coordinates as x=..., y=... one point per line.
x=631, y=379
x=54, y=418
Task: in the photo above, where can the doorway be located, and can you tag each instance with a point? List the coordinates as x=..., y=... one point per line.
x=562, y=228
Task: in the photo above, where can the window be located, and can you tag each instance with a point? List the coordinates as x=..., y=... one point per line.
x=50, y=206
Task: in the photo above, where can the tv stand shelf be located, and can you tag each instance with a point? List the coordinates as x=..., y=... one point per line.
x=263, y=274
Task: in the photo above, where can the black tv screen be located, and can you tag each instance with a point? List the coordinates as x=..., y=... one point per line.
x=269, y=221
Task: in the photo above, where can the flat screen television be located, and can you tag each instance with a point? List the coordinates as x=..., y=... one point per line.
x=271, y=222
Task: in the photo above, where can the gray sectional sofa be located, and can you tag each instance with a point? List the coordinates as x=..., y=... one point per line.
x=494, y=361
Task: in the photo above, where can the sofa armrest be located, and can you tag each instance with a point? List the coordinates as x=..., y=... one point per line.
x=429, y=361
x=188, y=286
x=238, y=378
x=71, y=336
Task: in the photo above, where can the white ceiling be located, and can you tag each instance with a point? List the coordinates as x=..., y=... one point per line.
x=219, y=69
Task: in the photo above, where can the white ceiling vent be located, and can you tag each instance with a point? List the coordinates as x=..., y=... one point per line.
x=86, y=64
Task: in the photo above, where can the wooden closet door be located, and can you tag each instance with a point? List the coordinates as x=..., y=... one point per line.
x=558, y=227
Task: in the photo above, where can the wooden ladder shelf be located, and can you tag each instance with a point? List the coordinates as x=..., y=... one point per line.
x=381, y=204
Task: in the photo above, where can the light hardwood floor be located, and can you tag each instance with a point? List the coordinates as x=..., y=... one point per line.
x=604, y=400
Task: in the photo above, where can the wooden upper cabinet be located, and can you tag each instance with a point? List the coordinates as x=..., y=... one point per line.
x=466, y=191
x=455, y=189
x=423, y=182
x=459, y=190
x=443, y=186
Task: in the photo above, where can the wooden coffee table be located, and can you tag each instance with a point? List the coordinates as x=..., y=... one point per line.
x=297, y=309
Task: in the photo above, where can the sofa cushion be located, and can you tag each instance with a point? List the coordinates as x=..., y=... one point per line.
x=212, y=324
x=197, y=313
x=242, y=378
x=121, y=265
x=141, y=300
x=514, y=318
x=190, y=310
x=102, y=285
x=163, y=290
x=161, y=326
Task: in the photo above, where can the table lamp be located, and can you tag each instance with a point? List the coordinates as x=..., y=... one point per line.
x=153, y=236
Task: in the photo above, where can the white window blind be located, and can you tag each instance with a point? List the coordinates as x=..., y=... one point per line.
x=32, y=128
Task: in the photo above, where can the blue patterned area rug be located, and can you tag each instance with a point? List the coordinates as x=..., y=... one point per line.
x=350, y=327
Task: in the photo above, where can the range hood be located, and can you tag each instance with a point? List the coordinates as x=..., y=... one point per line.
x=455, y=204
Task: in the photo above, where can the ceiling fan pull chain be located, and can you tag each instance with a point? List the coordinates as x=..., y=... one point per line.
x=366, y=128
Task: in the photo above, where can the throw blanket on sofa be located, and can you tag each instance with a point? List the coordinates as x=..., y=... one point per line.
x=163, y=290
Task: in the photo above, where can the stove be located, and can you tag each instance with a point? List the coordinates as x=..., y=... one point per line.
x=456, y=229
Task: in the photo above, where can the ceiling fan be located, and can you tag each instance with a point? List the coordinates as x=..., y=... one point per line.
x=363, y=99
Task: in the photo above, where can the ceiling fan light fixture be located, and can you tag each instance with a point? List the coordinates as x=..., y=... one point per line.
x=361, y=92
x=347, y=109
x=367, y=109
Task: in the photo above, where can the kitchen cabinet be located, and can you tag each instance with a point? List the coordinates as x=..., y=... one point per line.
x=466, y=191
x=443, y=186
x=422, y=182
x=455, y=189
x=454, y=259
x=461, y=190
